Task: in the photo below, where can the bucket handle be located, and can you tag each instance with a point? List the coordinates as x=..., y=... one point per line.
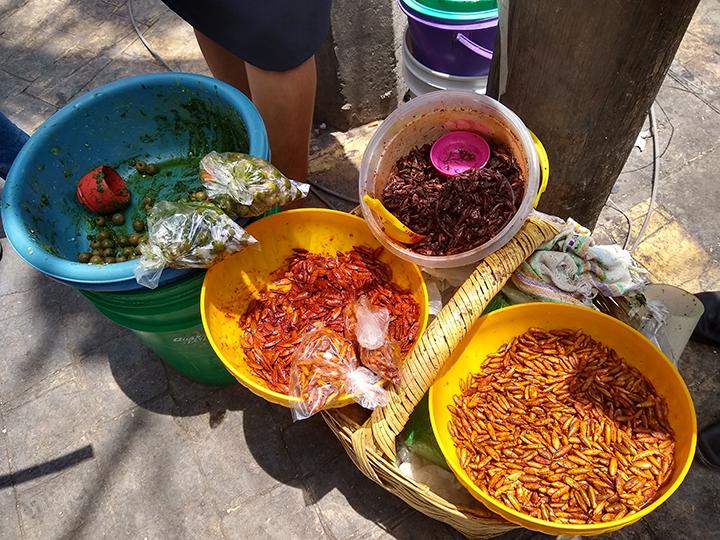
x=474, y=47
x=544, y=167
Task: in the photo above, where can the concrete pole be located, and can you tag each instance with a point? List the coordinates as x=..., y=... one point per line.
x=582, y=75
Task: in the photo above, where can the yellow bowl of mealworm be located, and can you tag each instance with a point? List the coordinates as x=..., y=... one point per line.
x=563, y=419
x=311, y=266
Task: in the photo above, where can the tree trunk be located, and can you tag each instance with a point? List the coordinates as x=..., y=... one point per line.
x=582, y=75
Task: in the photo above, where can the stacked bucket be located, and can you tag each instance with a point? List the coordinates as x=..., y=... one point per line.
x=448, y=44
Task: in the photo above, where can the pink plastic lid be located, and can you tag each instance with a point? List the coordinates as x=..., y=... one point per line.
x=459, y=151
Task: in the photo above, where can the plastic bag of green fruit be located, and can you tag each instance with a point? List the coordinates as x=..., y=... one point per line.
x=187, y=235
x=246, y=186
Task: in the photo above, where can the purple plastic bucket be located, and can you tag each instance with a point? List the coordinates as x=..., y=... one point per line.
x=456, y=49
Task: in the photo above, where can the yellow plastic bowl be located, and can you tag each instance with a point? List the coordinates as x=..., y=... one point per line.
x=499, y=327
x=230, y=285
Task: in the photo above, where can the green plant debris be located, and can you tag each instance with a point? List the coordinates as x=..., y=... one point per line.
x=50, y=249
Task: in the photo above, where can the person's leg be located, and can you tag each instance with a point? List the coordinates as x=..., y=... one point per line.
x=223, y=64
x=286, y=100
x=12, y=139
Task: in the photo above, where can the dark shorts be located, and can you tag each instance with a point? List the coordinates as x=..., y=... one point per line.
x=275, y=35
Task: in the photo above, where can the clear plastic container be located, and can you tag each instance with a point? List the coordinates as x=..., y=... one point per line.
x=421, y=121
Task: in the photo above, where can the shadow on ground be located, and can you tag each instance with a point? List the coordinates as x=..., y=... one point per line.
x=318, y=464
x=105, y=357
x=303, y=455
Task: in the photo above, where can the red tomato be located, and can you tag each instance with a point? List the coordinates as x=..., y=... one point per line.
x=103, y=191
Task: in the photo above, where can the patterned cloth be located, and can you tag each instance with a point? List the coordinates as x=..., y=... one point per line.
x=572, y=269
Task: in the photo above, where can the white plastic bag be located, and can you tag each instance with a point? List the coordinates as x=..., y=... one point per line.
x=187, y=235
x=324, y=367
x=246, y=186
x=371, y=324
x=378, y=352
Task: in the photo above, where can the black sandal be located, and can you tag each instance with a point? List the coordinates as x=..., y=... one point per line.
x=708, y=327
x=708, y=448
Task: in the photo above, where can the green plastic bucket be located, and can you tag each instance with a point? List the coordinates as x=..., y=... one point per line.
x=454, y=10
x=167, y=320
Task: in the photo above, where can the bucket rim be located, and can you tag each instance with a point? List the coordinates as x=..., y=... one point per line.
x=416, y=68
x=131, y=316
x=418, y=8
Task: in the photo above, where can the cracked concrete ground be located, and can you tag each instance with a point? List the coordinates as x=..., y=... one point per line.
x=98, y=438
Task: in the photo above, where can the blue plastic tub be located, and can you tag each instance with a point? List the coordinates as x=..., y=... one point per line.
x=171, y=118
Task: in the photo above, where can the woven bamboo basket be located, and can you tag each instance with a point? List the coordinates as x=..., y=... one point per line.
x=370, y=440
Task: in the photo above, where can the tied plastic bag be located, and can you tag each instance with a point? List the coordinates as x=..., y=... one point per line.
x=246, y=186
x=371, y=324
x=325, y=367
x=187, y=235
x=383, y=361
x=378, y=352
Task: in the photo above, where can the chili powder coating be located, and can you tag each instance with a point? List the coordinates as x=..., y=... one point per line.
x=313, y=289
x=456, y=213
